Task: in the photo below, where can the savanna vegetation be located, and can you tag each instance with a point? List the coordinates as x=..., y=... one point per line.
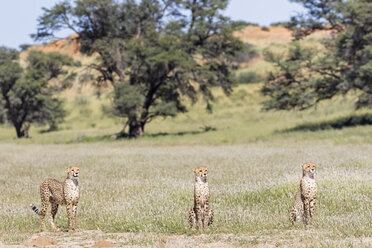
x=278, y=113
x=342, y=62
x=154, y=53
x=28, y=95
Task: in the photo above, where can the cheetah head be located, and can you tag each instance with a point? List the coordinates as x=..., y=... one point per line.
x=308, y=169
x=201, y=173
x=73, y=172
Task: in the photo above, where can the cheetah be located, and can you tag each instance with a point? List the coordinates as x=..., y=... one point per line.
x=201, y=215
x=304, y=201
x=59, y=193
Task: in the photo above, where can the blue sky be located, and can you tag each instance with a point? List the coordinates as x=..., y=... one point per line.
x=18, y=18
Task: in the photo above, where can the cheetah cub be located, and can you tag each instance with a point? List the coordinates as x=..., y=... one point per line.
x=304, y=201
x=201, y=216
x=59, y=193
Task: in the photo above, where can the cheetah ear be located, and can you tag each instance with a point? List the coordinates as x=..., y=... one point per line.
x=68, y=169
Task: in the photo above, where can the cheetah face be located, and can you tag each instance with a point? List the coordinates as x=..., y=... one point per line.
x=73, y=172
x=201, y=172
x=308, y=168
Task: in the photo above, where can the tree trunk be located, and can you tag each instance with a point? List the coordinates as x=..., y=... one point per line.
x=136, y=128
x=20, y=132
x=53, y=126
x=22, y=129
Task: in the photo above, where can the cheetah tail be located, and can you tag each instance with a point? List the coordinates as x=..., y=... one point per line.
x=35, y=209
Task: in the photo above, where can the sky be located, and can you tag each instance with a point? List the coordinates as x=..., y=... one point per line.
x=18, y=18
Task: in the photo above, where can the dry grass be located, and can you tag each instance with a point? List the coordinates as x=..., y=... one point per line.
x=261, y=38
x=138, y=189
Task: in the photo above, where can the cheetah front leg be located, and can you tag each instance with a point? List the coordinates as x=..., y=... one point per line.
x=311, y=208
x=199, y=217
x=69, y=216
x=192, y=218
x=53, y=215
x=74, y=213
x=206, y=216
x=210, y=216
x=307, y=211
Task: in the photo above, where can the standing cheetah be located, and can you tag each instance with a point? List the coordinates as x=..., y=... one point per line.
x=201, y=216
x=59, y=193
x=304, y=201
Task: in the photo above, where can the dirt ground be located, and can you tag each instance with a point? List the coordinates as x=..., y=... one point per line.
x=98, y=239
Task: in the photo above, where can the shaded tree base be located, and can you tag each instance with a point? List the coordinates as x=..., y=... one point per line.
x=120, y=135
x=339, y=123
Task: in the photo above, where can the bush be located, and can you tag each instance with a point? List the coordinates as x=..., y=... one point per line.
x=247, y=55
x=241, y=24
x=107, y=110
x=280, y=24
x=247, y=77
x=81, y=101
x=24, y=47
x=339, y=123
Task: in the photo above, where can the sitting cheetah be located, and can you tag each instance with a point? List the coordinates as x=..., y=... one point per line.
x=59, y=193
x=201, y=216
x=304, y=201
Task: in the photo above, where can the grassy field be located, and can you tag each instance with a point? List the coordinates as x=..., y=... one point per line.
x=235, y=120
x=148, y=189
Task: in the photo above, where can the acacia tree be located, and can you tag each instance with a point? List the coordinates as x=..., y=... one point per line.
x=27, y=94
x=307, y=75
x=153, y=52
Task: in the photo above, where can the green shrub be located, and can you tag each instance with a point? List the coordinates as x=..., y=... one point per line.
x=241, y=24
x=339, y=123
x=247, y=55
x=247, y=77
x=280, y=24
x=81, y=101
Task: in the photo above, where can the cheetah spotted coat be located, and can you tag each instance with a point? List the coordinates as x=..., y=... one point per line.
x=201, y=215
x=57, y=193
x=304, y=202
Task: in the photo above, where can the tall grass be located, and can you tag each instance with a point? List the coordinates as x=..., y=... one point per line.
x=149, y=189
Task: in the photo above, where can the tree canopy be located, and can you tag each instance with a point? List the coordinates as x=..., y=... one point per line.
x=307, y=75
x=153, y=52
x=27, y=94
